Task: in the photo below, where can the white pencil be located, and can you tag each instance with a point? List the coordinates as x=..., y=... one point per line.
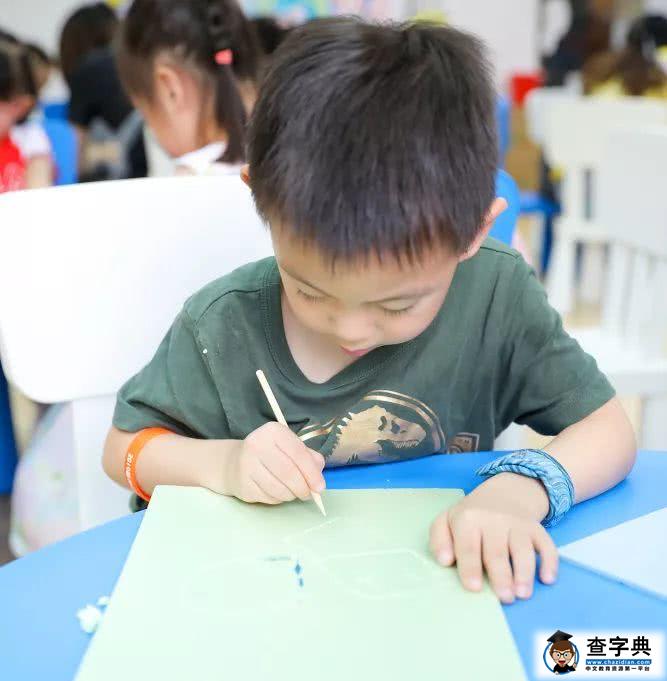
x=281, y=419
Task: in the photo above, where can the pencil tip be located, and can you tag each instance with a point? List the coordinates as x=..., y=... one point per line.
x=318, y=501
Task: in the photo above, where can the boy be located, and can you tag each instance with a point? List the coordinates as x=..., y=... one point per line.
x=387, y=324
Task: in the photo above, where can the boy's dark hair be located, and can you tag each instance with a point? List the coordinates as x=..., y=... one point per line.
x=88, y=28
x=193, y=31
x=375, y=138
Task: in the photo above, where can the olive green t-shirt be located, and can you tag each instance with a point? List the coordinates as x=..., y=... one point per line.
x=495, y=353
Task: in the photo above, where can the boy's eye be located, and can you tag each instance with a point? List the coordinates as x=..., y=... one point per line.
x=307, y=296
x=397, y=312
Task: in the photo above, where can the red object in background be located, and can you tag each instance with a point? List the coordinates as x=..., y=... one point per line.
x=522, y=83
x=12, y=166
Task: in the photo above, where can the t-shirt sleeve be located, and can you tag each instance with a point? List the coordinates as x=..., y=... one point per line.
x=551, y=383
x=175, y=390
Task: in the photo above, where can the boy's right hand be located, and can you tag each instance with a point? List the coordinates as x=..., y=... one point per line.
x=272, y=465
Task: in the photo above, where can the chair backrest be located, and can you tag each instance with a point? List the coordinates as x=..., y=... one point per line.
x=537, y=105
x=632, y=191
x=505, y=225
x=575, y=137
x=92, y=275
x=576, y=129
x=65, y=147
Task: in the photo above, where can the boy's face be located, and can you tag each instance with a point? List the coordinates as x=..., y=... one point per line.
x=360, y=306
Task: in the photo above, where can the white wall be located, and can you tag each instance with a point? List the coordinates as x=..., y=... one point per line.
x=37, y=20
x=509, y=27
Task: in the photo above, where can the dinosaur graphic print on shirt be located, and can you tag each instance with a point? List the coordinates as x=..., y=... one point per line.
x=383, y=426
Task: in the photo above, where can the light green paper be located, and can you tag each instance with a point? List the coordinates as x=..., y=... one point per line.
x=210, y=592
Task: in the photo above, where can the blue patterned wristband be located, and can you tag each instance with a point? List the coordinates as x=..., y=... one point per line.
x=534, y=463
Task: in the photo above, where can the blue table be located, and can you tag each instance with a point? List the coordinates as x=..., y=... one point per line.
x=39, y=595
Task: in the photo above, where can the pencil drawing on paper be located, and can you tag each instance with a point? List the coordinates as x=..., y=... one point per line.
x=314, y=557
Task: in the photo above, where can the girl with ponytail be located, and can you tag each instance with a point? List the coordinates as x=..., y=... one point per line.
x=190, y=67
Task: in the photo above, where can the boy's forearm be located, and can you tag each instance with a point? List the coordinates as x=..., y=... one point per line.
x=172, y=460
x=597, y=452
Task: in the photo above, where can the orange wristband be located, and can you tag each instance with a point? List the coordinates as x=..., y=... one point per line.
x=138, y=443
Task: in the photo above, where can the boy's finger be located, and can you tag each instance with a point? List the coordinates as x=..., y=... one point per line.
x=468, y=552
x=496, y=559
x=290, y=445
x=271, y=485
x=256, y=495
x=286, y=471
x=522, y=553
x=548, y=555
x=320, y=461
x=440, y=540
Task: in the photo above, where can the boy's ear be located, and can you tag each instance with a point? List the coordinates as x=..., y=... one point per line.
x=497, y=207
x=169, y=87
x=245, y=174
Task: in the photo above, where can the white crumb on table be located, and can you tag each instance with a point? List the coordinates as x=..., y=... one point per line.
x=89, y=618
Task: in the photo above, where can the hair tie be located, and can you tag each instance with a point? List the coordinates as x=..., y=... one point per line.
x=224, y=57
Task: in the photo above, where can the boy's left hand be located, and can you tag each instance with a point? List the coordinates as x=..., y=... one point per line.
x=496, y=528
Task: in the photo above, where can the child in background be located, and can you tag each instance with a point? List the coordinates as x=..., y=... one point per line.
x=109, y=130
x=190, y=67
x=638, y=70
x=388, y=325
x=25, y=152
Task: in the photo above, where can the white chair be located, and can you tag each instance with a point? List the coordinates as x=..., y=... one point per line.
x=631, y=343
x=537, y=105
x=575, y=134
x=91, y=277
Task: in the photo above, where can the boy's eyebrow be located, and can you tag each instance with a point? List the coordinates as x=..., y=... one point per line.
x=413, y=294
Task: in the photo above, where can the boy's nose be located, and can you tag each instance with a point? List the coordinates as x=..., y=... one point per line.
x=353, y=331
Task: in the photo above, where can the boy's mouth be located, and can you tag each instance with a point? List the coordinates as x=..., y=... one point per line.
x=356, y=353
